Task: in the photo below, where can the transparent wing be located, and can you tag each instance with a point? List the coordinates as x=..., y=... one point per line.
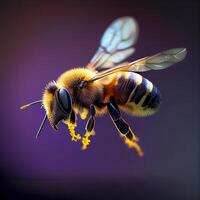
x=159, y=61
x=116, y=44
x=156, y=62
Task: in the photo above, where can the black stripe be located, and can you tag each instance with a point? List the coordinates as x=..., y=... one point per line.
x=140, y=91
x=153, y=99
x=124, y=88
x=149, y=97
x=156, y=100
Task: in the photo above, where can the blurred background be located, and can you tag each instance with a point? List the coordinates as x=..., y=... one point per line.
x=42, y=39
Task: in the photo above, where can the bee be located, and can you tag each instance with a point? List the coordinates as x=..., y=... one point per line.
x=107, y=83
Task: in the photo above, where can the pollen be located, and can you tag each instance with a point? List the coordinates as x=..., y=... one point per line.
x=86, y=140
x=84, y=114
x=71, y=127
x=134, y=145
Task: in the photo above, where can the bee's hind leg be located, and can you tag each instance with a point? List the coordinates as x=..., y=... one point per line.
x=71, y=123
x=89, y=128
x=122, y=126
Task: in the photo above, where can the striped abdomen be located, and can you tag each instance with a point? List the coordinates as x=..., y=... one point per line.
x=136, y=94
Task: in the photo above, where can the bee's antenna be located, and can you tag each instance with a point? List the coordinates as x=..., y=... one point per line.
x=41, y=126
x=30, y=104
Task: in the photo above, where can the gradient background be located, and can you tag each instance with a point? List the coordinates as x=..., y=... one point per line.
x=42, y=39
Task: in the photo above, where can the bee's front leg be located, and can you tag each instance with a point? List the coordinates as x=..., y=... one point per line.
x=89, y=128
x=71, y=123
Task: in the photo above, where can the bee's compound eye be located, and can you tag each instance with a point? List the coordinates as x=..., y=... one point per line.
x=64, y=100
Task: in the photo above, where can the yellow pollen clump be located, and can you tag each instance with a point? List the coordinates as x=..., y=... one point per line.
x=132, y=144
x=71, y=127
x=83, y=114
x=86, y=140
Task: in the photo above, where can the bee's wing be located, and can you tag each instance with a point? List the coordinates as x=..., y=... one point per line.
x=159, y=61
x=156, y=62
x=116, y=44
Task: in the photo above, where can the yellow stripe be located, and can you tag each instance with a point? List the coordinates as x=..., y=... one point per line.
x=150, y=87
x=138, y=80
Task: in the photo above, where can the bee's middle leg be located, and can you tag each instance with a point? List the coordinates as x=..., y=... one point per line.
x=71, y=123
x=89, y=128
x=123, y=127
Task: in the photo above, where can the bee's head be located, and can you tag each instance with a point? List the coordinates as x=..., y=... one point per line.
x=57, y=103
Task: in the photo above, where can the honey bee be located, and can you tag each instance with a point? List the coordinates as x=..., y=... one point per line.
x=107, y=83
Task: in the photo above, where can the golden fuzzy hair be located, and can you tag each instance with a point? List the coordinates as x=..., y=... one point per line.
x=87, y=94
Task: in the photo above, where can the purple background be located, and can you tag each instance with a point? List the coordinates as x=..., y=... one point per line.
x=39, y=41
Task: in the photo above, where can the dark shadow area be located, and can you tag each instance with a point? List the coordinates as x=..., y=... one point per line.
x=98, y=190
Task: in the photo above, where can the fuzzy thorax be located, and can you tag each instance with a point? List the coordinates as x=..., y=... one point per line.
x=81, y=96
x=69, y=78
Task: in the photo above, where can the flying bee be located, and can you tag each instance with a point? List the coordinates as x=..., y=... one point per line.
x=107, y=83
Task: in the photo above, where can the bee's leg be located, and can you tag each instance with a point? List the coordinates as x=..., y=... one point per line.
x=89, y=128
x=122, y=126
x=71, y=123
